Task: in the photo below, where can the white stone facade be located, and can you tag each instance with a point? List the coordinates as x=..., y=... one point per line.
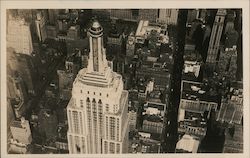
x=97, y=112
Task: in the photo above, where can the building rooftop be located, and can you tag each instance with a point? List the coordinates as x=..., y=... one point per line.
x=145, y=30
x=187, y=143
x=154, y=112
x=16, y=124
x=191, y=71
x=19, y=123
x=190, y=76
x=198, y=91
x=158, y=106
x=195, y=119
x=153, y=118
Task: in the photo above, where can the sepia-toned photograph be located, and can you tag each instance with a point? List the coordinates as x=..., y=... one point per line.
x=124, y=81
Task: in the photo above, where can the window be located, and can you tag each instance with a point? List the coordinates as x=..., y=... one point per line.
x=83, y=145
x=94, y=109
x=88, y=92
x=117, y=148
x=112, y=128
x=117, y=132
x=94, y=93
x=100, y=94
x=168, y=12
x=70, y=125
x=75, y=122
x=80, y=121
x=219, y=19
x=81, y=103
x=107, y=95
x=107, y=108
x=88, y=113
x=105, y=147
x=100, y=116
x=81, y=91
x=78, y=149
x=112, y=148
x=107, y=127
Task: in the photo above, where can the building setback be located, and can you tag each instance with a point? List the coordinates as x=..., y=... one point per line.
x=98, y=110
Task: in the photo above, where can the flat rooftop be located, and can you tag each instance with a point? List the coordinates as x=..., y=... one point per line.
x=197, y=91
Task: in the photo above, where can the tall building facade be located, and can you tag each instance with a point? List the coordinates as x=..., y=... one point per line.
x=97, y=112
x=41, y=26
x=214, y=43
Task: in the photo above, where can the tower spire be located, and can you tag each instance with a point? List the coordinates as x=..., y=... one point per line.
x=97, y=57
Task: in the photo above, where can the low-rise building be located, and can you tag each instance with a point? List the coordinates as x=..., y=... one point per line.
x=21, y=132
x=130, y=45
x=196, y=104
x=132, y=117
x=192, y=66
x=233, y=140
x=187, y=144
x=73, y=32
x=51, y=31
x=231, y=110
x=153, y=115
x=65, y=84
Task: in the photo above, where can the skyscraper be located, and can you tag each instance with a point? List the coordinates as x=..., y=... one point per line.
x=41, y=26
x=215, y=38
x=97, y=111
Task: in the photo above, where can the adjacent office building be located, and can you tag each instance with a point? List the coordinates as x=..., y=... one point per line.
x=214, y=43
x=98, y=110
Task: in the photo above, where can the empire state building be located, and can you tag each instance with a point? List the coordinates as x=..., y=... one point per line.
x=97, y=111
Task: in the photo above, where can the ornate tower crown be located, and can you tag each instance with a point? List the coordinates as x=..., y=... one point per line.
x=96, y=29
x=97, y=57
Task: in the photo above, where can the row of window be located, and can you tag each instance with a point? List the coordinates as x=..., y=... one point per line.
x=193, y=130
x=100, y=94
x=113, y=148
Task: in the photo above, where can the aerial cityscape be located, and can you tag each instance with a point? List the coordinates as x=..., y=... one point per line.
x=119, y=81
